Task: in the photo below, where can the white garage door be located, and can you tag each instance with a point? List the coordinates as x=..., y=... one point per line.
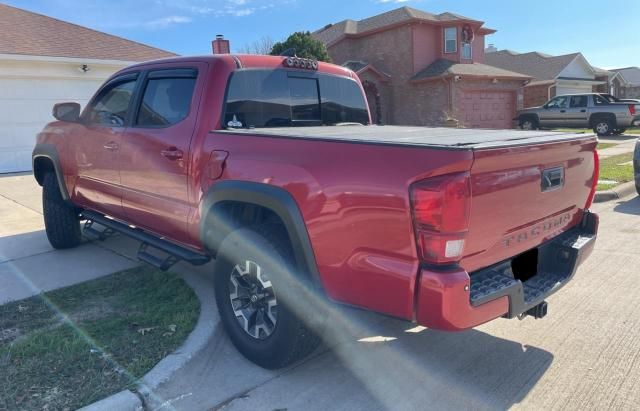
x=25, y=107
x=488, y=109
x=573, y=90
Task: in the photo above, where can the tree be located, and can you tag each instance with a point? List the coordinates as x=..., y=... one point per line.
x=264, y=45
x=306, y=46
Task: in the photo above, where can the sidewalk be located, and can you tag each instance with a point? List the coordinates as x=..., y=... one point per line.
x=624, y=144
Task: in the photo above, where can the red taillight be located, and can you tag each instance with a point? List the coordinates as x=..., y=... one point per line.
x=632, y=109
x=594, y=183
x=441, y=207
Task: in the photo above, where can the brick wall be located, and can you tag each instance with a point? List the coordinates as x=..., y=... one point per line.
x=537, y=95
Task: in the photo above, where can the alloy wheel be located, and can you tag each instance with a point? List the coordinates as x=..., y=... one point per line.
x=253, y=299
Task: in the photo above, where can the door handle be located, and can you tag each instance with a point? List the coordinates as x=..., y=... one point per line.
x=563, y=111
x=111, y=146
x=172, y=153
x=583, y=111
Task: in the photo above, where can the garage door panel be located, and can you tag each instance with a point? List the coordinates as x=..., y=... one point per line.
x=488, y=109
x=25, y=108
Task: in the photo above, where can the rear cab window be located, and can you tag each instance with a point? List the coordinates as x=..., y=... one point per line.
x=166, y=98
x=259, y=98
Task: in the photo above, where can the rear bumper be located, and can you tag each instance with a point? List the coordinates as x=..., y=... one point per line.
x=454, y=300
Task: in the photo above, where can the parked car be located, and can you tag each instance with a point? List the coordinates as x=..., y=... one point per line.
x=267, y=165
x=636, y=165
x=581, y=111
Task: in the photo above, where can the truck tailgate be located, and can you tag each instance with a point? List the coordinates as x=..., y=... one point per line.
x=525, y=195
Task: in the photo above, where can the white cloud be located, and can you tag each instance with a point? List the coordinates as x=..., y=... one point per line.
x=165, y=22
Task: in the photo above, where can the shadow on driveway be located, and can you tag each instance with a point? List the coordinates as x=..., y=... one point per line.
x=629, y=207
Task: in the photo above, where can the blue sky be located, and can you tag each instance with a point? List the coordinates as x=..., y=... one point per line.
x=606, y=33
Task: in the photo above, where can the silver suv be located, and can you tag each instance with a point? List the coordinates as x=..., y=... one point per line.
x=582, y=111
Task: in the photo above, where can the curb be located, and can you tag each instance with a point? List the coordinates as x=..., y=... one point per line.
x=127, y=400
x=615, y=193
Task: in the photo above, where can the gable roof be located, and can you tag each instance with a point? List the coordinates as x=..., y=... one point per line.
x=537, y=65
x=333, y=33
x=360, y=67
x=26, y=33
x=630, y=75
x=445, y=68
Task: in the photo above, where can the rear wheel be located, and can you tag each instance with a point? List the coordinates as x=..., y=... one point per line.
x=528, y=123
x=255, y=291
x=61, y=221
x=602, y=127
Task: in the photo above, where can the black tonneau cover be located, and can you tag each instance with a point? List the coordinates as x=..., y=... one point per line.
x=449, y=138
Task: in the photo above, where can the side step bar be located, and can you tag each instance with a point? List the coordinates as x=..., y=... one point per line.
x=174, y=251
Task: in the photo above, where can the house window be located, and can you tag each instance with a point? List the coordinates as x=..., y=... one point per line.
x=450, y=39
x=466, y=51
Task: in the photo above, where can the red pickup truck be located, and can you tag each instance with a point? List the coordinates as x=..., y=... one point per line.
x=269, y=166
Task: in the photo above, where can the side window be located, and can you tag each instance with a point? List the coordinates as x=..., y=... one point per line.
x=450, y=39
x=466, y=51
x=598, y=100
x=558, y=102
x=578, y=102
x=111, y=106
x=166, y=101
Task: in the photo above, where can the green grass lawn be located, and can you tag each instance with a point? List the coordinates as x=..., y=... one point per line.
x=602, y=146
x=612, y=169
x=70, y=347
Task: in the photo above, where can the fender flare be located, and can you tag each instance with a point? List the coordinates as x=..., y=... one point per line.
x=276, y=199
x=49, y=152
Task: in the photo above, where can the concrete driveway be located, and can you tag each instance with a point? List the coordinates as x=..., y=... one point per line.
x=584, y=354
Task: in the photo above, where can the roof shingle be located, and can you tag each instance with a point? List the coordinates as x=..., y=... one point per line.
x=444, y=67
x=333, y=32
x=26, y=33
x=537, y=65
x=631, y=75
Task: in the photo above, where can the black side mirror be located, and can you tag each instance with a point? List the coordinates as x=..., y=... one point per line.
x=67, y=112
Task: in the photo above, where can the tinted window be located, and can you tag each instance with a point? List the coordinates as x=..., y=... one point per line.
x=166, y=101
x=599, y=100
x=110, y=107
x=578, y=101
x=268, y=98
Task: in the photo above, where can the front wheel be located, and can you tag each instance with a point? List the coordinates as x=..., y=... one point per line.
x=255, y=290
x=528, y=123
x=602, y=128
x=61, y=221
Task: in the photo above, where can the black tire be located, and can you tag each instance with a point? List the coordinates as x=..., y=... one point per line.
x=638, y=188
x=528, y=123
x=61, y=221
x=619, y=131
x=602, y=127
x=290, y=339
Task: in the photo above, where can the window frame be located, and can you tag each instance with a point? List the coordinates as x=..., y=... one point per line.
x=470, y=51
x=114, y=82
x=158, y=74
x=455, y=39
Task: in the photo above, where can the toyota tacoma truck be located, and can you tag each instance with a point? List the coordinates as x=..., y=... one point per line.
x=269, y=167
x=595, y=111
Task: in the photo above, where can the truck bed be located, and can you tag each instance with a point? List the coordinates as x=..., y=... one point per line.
x=432, y=137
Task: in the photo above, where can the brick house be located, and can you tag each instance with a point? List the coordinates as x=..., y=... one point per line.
x=552, y=75
x=44, y=61
x=417, y=68
x=625, y=82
